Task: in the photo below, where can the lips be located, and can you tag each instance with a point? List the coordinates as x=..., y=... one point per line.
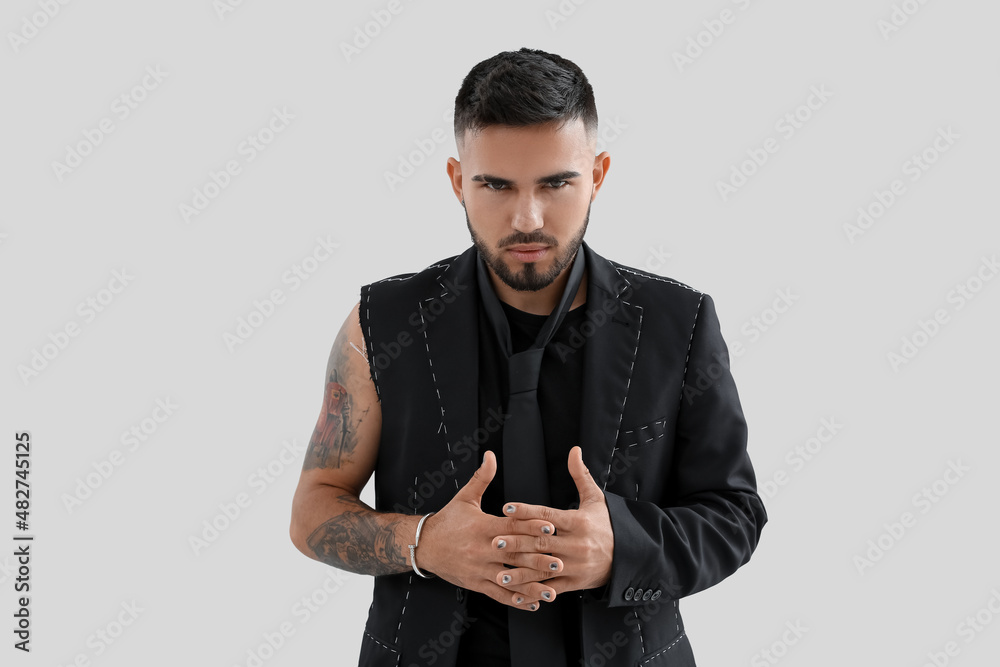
x=528, y=253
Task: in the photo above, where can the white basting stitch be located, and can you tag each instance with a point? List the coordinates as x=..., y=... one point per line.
x=664, y=650
x=660, y=278
x=677, y=616
x=409, y=582
x=447, y=442
x=642, y=642
x=380, y=643
x=688, y=355
x=638, y=333
x=368, y=315
x=367, y=290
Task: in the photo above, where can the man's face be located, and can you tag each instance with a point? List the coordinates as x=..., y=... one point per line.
x=527, y=193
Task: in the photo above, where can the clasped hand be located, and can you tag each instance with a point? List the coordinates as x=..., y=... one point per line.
x=530, y=555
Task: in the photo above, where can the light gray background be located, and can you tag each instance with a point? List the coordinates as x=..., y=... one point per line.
x=679, y=131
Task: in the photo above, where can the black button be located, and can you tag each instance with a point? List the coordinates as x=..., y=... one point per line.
x=648, y=594
x=629, y=593
x=656, y=595
x=638, y=594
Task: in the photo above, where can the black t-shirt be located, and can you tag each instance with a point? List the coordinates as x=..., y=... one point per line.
x=485, y=643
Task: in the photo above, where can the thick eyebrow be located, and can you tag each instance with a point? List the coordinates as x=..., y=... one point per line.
x=561, y=176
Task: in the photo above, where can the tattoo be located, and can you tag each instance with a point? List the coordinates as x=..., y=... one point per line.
x=355, y=542
x=335, y=435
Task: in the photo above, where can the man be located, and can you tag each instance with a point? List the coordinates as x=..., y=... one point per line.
x=558, y=445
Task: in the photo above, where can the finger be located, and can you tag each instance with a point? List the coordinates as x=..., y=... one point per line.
x=532, y=591
x=524, y=567
x=585, y=484
x=543, y=544
x=527, y=527
x=473, y=490
x=524, y=511
x=517, y=576
x=517, y=599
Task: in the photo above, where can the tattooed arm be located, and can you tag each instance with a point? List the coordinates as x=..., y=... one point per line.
x=329, y=523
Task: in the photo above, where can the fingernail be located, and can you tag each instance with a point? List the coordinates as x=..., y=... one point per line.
x=553, y=566
x=509, y=509
x=506, y=579
x=546, y=529
x=501, y=544
x=520, y=600
x=532, y=606
x=547, y=595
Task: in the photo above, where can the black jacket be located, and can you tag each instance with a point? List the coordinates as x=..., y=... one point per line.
x=662, y=432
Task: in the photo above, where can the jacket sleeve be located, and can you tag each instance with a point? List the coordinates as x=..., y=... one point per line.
x=714, y=516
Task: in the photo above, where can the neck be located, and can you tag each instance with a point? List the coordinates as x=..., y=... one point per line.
x=543, y=301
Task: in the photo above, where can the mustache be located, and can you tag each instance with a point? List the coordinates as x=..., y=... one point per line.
x=518, y=239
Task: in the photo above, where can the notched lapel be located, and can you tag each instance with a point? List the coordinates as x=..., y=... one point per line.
x=608, y=358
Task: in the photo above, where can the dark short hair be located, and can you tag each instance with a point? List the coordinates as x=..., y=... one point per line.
x=521, y=88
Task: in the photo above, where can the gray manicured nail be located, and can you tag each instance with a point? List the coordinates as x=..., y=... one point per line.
x=506, y=579
x=501, y=544
x=532, y=606
x=553, y=566
x=546, y=529
x=509, y=509
x=547, y=595
x=520, y=600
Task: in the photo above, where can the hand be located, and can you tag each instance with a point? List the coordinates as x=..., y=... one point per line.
x=583, y=541
x=458, y=545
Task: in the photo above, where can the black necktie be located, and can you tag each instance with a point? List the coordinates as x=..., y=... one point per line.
x=536, y=638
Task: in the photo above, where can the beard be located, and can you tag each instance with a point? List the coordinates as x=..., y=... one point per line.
x=528, y=279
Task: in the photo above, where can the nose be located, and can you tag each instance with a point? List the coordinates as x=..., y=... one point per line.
x=527, y=215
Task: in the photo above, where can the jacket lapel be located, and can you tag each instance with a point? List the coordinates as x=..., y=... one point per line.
x=608, y=356
x=452, y=344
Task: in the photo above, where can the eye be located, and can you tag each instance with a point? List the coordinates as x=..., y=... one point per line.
x=489, y=186
x=562, y=184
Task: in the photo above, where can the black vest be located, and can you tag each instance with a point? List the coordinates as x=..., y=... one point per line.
x=421, y=336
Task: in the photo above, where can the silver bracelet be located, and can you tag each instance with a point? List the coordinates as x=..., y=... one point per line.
x=413, y=548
